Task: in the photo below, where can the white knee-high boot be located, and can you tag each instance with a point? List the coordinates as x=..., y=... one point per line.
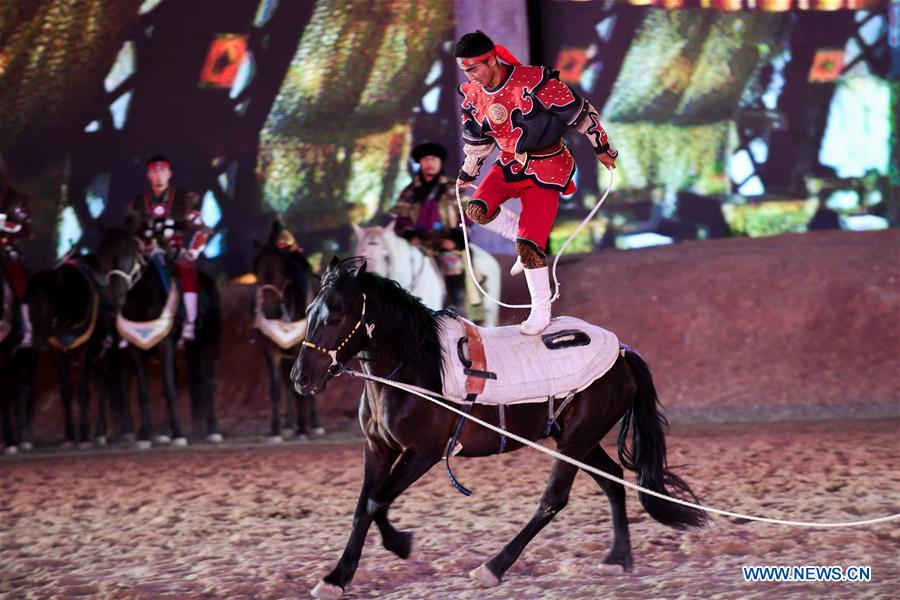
x=188, y=330
x=506, y=224
x=539, y=288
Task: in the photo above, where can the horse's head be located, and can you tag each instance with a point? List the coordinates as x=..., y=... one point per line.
x=120, y=261
x=337, y=327
x=375, y=244
x=282, y=278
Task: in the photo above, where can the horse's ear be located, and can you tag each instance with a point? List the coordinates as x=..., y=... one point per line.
x=357, y=230
x=361, y=270
x=334, y=264
x=389, y=228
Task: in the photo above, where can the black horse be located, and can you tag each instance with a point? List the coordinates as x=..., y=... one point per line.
x=286, y=283
x=17, y=368
x=360, y=314
x=69, y=314
x=139, y=289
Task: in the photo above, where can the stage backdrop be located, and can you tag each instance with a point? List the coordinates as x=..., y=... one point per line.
x=732, y=118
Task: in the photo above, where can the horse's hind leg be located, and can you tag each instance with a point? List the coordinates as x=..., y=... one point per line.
x=620, y=553
x=65, y=392
x=553, y=500
x=274, y=394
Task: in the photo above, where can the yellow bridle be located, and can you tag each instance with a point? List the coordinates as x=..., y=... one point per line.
x=333, y=353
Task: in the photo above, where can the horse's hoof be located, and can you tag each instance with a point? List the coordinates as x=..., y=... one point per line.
x=85, y=445
x=143, y=444
x=326, y=590
x=301, y=437
x=318, y=431
x=162, y=439
x=128, y=438
x=215, y=438
x=180, y=441
x=66, y=445
x=616, y=563
x=274, y=439
x=10, y=451
x=26, y=446
x=101, y=440
x=484, y=576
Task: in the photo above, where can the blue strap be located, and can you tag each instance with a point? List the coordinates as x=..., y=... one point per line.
x=459, y=487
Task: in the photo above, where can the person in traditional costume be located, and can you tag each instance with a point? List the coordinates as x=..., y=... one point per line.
x=15, y=224
x=163, y=218
x=523, y=111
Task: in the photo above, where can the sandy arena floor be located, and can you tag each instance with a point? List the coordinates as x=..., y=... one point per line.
x=257, y=521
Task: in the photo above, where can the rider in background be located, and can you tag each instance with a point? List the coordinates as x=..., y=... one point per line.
x=427, y=215
x=15, y=223
x=162, y=218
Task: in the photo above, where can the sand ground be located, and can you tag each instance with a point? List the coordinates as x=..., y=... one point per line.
x=250, y=520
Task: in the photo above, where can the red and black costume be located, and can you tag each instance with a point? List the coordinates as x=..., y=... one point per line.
x=162, y=222
x=525, y=116
x=15, y=224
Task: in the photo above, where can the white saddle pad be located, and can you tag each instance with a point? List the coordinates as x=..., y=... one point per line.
x=569, y=356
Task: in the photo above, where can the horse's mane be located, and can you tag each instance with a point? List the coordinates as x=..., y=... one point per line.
x=405, y=326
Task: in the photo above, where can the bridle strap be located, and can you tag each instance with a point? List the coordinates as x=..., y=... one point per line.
x=130, y=278
x=333, y=353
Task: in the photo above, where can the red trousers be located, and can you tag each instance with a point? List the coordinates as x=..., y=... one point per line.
x=186, y=271
x=539, y=205
x=17, y=276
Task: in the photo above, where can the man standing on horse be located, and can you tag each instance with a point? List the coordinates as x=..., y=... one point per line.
x=524, y=111
x=162, y=218
x=428, y=217
x=15, y=223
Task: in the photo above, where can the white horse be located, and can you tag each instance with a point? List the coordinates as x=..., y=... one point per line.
x=390, y=255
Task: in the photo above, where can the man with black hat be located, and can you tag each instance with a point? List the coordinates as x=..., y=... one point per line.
x=427, y=216
x=161, y=217
x=428, y=204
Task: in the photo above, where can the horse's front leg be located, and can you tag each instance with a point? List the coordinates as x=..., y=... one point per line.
x=377, y=461
x=411, y=466
x=167, y=358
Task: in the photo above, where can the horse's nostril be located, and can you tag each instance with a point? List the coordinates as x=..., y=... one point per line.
x=303, y=380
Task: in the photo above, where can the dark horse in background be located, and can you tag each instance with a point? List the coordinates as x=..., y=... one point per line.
x=406, y=435
x=17, y=368
x=70, y=315
x=285, y=285
x=139, y=291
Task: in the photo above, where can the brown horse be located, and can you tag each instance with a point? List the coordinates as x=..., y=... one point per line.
x=360, y=314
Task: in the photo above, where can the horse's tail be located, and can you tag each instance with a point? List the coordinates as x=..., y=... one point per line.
x=647, y=456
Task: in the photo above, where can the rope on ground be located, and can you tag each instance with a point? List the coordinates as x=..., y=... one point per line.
x=590, y=469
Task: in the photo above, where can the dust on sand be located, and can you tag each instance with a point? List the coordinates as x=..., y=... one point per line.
x=268, y=522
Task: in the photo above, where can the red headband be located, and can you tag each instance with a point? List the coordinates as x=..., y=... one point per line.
x=499, y=51
x=158, y=164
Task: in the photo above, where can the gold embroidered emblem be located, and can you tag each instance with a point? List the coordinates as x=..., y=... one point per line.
x=497, y=113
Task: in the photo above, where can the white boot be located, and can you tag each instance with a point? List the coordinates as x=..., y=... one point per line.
x=505, y=224
x=188, y=330
x=539, y=288
x=517, y=267
x=27, y=332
